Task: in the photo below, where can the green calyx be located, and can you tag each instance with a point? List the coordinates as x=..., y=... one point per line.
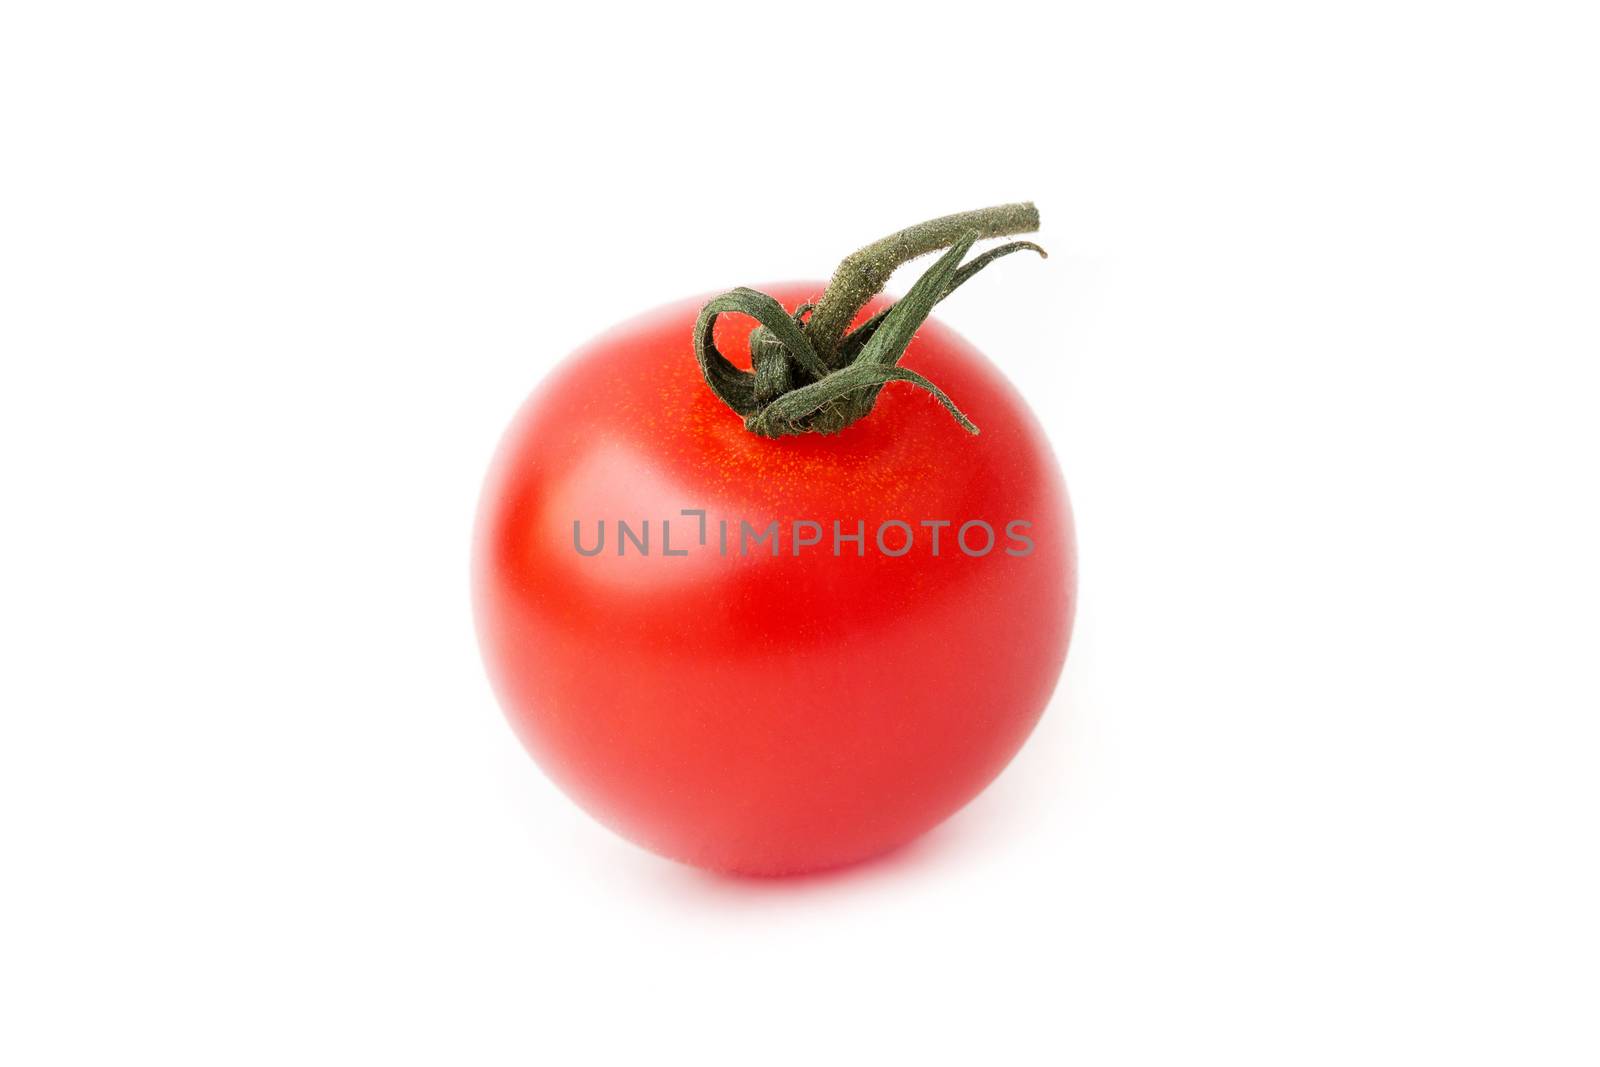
x=809, y=375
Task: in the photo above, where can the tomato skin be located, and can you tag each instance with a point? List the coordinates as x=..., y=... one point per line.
x=769, y=714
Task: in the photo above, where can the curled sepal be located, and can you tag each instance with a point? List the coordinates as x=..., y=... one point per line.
x=888, y=343
x=769, y=313
x=734, y=387
x=829, y=405
x=854, y=341
x=738, y=388
x=979, y=262
x=774, y=369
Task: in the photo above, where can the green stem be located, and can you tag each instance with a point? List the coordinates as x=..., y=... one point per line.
x=863, y=274
x=807, y=375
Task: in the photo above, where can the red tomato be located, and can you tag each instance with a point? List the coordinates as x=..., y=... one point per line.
x=765, y=713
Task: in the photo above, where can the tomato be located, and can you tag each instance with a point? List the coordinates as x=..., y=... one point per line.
x=781, y=704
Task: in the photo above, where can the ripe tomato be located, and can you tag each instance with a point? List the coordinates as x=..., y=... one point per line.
x=770, y=707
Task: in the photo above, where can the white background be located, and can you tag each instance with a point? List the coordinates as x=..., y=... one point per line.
x=1317, y=346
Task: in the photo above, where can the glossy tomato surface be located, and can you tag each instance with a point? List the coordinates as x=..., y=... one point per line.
x=759, y=713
